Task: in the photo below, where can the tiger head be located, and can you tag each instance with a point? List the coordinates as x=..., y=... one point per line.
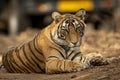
x=69, y=28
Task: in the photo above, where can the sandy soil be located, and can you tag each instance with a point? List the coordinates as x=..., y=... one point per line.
x=105, y=42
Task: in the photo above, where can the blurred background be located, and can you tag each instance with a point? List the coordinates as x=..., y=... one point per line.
x=17, y=15
x=20, y=20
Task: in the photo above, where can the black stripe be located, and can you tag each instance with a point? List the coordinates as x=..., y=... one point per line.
x=53, y=57
x=58, y=45
x=13, y=68
x=83, y=26
x=11, y=63
x=52, y=37
x=16, y=62
x=58, y=29
x=26, y=68
x=81, y=57
x=8, y=66
x=59, y=52
x=75, y=55
x=66, y=48
x=84, y=59
x=5, y=63
x=34, y=53
x=35, y=57
x=70, y=54
x=4, y=60
x=36, y=47
x=21, y=46
x=16, y=51
x=28, y=59
x=12, y=59
x=38, y=65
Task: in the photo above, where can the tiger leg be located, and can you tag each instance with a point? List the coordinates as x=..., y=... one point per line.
x=60, y=66
x=94, y=59
x=55, y=63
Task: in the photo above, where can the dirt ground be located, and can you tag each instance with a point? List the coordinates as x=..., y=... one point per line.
x=105, y=42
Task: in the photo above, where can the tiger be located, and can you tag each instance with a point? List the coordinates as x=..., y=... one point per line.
x=55, y=49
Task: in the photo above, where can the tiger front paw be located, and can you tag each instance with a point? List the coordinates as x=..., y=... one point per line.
x=95, y=59
x=98, y=61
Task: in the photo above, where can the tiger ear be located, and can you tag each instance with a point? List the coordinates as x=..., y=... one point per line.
x=56, y=16
x=81, y=13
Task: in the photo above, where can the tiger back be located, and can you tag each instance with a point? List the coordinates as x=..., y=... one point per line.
x=55, y=49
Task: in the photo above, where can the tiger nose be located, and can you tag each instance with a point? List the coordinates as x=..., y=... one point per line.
x=74, y=43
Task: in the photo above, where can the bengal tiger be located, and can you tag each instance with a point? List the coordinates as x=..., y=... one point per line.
x=55, y=49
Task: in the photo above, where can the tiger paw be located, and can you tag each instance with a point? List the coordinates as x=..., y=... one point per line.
x=95, y=59
x=77, y=69
x=98, y=61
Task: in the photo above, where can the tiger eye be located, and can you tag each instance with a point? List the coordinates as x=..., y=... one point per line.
x=64, y=32
x=67, y=21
